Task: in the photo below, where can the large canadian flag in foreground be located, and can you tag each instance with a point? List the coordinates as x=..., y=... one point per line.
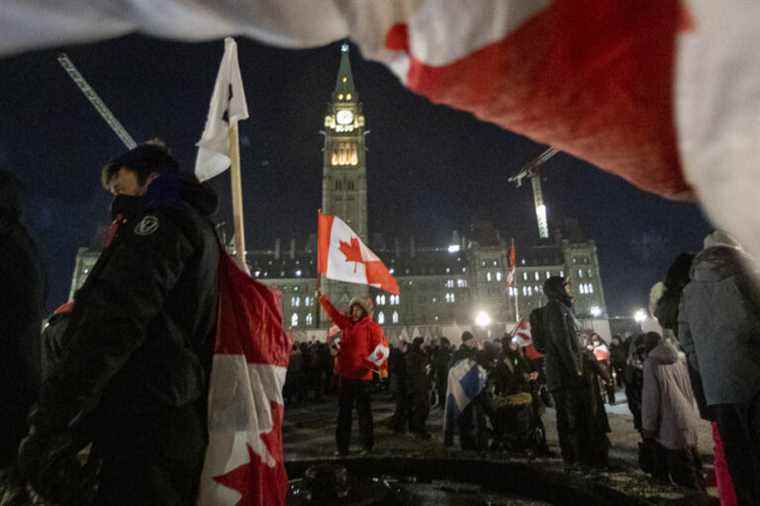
x=664, y=93
x=343, y=256
x=244, y=460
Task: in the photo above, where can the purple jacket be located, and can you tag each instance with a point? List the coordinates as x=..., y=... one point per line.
x=668, y=408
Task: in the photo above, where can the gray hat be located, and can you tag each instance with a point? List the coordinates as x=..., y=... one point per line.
x=466, y=336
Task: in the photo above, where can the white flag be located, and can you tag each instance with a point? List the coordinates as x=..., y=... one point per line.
x=227, y=106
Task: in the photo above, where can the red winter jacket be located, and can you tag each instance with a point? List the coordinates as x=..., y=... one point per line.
x=359, y=342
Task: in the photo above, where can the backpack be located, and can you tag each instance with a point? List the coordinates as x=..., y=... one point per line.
x=537, y=332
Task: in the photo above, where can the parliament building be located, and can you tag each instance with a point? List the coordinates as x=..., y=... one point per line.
x=444, y=288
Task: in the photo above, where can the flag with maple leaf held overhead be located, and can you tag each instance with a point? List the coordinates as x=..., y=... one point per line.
x=344, y=257
x=244, y=463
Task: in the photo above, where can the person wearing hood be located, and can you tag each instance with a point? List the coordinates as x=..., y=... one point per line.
x=361, y=344
x=719, y=329
x=22, y=301
x=133, y=378
x=582, y=423
x=670, y=415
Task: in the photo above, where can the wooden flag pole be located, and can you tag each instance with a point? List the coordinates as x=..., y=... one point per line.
x=237, y=196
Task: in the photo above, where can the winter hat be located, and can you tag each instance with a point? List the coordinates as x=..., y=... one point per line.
x=362, y=303
x=554, y=288
x=720, y=238
x=466, y=336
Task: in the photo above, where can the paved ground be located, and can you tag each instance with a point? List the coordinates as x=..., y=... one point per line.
x=309, y=432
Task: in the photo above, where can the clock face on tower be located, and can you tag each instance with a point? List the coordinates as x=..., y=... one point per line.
x=344, y=117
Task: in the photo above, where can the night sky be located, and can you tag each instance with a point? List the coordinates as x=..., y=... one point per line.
x=431, y=169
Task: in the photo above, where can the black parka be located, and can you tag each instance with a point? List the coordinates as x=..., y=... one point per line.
x=141, y=332
x=563, y=352
x=22, y=299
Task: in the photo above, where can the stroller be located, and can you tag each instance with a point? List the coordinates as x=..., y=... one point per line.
x=517, y=408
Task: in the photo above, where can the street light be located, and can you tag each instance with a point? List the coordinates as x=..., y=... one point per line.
x=640, y=316
x=595, y=311
x=482, y=319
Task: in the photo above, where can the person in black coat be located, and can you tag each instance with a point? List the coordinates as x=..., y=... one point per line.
x=582, y=423
x=133, y=378
x=22, y=300
x=418, y=387
x=398, y=375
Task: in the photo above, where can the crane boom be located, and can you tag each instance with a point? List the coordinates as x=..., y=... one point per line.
x=96, y=102
x=531, y=170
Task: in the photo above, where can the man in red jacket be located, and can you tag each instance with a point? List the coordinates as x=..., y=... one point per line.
x=363, y=348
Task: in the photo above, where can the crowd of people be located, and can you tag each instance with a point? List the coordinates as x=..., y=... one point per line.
x=155, y=289
x=703, y=362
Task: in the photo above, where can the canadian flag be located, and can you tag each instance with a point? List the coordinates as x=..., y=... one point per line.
x=511, y=264
x=343, y=256
x=521, y=333
x=244, y=463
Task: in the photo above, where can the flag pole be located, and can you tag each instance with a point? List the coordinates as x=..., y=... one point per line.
x=517, y=305
x=237, y=195
x=319, y=277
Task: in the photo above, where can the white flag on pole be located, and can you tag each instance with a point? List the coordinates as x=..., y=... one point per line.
x=228, y=105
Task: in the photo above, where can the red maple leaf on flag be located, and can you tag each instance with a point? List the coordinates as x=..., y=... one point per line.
x=352, y=252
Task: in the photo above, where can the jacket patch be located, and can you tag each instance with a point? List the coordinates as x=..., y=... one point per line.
x=147, y=225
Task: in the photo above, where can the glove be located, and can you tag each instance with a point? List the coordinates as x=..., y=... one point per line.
x=49, y=463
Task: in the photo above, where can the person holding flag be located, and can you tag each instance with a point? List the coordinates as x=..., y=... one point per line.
x=138, y=347
x=363, y=349
x=343, y=256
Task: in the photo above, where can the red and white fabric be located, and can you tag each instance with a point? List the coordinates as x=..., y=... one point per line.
x=244, y=463
x=342, y=256
x=521, y=333
x=511, y=265
x=664, y=93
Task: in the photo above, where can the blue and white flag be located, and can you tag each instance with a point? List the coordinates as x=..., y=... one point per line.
x=466, y=380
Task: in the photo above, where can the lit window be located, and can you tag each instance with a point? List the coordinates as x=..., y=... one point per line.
x=294, y=320
x=488, y=276
x=562, y=274
x=589, y=273
x=498, y=276
x=435, y=299
x=380, y=318
x=392, y=271
x=590, y=288
x=382, y=300
x=309, y=319
x=548, y=274
x=525, y=276
x=525, y=290
x=495, y=263
x=377, y=300
x=530, y=291
x=298, y=273
x=580, y=273
x=448, y=270
x=461, y=283
x=464, y=269
x=450, y=283
x=348, y=96
x=395, y=317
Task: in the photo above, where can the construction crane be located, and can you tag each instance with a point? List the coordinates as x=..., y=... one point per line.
x=95, y=100
x=532, y=170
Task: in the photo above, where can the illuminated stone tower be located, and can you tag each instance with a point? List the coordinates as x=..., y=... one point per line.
x=344, y=175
